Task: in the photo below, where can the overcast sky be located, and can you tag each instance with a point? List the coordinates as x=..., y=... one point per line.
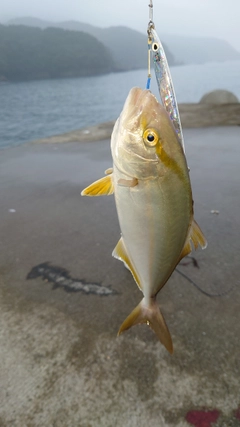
x=217, y=18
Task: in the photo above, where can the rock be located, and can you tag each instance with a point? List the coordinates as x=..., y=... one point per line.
x=219, y=97
x=204, y=114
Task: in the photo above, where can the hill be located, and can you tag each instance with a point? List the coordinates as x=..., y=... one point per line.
x=199, y=50
x=32, y=53
x=127, y=46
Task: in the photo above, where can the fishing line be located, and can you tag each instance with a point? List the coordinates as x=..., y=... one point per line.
x=150, y=24
x=149, y=64
x=222, y=294
x=151, y=11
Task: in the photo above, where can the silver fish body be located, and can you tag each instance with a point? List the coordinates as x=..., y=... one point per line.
x=151, y=184
x=154, y=215
x=153, y=227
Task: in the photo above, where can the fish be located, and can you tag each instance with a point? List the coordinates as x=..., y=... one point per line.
x=152, y=189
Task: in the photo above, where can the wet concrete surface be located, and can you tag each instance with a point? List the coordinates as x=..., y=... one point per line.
x=61, y=363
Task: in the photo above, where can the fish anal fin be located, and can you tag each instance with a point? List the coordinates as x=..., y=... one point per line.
x=120, y=253
x=197, y=236
x=151, y=315
x=186, y=250
x=101, y=187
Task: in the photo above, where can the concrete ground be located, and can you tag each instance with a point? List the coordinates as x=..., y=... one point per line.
x=61, y=363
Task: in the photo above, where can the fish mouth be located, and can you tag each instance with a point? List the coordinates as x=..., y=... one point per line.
x=135, y=95
x=140, y=103
x=139, y=97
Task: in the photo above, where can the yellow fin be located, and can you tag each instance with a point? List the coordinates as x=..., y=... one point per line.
x=120, y=253
x=151, y=315
x=102, y=187
x=195, y=236
x=186, y=250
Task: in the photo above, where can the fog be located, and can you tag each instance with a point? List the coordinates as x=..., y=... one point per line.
x=215, y=18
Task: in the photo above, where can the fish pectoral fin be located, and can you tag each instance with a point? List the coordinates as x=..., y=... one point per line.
x=152, y=316
x=120, y=252
x=128, y=182
x=102, y=187
x=195, y=236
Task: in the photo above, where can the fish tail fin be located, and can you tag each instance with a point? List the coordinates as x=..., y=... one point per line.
x=152, y=316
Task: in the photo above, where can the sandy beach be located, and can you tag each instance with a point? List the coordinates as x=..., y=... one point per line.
x=61, y=364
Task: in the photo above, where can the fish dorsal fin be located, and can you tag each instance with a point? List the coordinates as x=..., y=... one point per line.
x=195, y=236
x=120, y=253
x=102, y=187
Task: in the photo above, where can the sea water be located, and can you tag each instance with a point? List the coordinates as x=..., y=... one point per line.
x=38, y=109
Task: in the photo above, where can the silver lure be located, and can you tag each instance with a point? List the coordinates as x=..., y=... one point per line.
x=164, y=81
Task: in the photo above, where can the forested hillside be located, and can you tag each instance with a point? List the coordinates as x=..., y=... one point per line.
x=31, y=53
x=128, y=47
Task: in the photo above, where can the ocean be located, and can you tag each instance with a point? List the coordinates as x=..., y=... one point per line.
x=37, y=109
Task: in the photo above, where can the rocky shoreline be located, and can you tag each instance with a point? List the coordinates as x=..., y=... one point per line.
x=192, y=116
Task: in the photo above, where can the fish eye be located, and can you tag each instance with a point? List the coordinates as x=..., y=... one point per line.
x=155, y=47
x=150, y=137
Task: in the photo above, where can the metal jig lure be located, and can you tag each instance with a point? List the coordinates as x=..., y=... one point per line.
x=163, y=76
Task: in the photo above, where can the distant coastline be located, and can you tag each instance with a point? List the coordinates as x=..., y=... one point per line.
x=32, y=49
